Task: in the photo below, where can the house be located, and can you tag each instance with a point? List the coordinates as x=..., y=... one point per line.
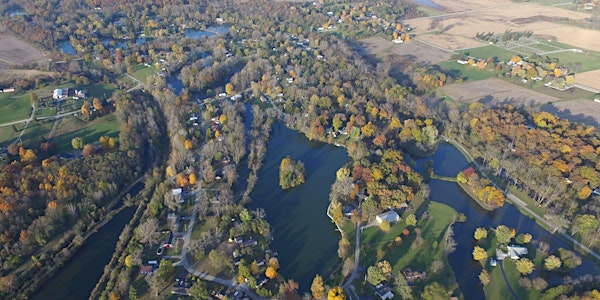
x=462, y=61
x=60, y=93
x=238, y=239
x=81, y=94
x=347, y=211
x=515, y=252
x=249, y=243
x=146, y=269
x=383, y=291
x=411, y=275
x=388, y=216
x=236, y=97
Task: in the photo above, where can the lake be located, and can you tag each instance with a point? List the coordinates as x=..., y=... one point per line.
x=66, y=47
x=303, y=234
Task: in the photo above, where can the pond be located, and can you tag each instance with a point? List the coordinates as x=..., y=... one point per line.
x=66, y=47
x=303, y=234
x=197, y=34
x=448, y=161
x=429, y=3
x=78, y=277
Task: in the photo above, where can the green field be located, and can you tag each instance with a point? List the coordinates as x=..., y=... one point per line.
x=142, y=73
x=107, y=125
x=14, y=106
x=7, y=135
x=497, y=288
x=588, y=60
x=36, y=133
x=406, y=254
x=499, y=54
x=466, y=73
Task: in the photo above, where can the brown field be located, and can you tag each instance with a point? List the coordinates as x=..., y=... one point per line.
x=591, y=79
x=448, y=41
x=495, y=91
x=414, y=50
x=466, y=18
x=11, y=75
x=14, y=52
x=580, y=110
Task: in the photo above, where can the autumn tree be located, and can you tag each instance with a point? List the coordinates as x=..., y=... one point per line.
x=524, y=266
x=336, y=293
x=552, y=262
x=411, y=220
x=97, y=104
x=271, y=273
x=229, y=88
x=479, y=254
x=484, y=277
x=503, y=234
x=77, y=143
x=480, y=233
x=317, y=288
x=85, y=109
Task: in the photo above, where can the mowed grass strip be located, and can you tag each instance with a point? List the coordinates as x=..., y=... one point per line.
x=107, y=125
x=14, y=107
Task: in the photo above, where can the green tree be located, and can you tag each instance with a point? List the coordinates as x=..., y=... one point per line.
x=524, y=266
x=402, y=287
x=166, y=270
x=552, y=262
x=317, y=288
x=503, y=234
x=199, y=290
x=434, y=291
x=77, y=143
x=375, y=275
x=411, y=220
x=480, y=233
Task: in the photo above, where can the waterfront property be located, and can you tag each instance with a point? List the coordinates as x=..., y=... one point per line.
x=388, y=216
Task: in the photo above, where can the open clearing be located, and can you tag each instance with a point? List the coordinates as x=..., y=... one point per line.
x=12, y=75
x=580, y=110
x=414, y=50
x=466, y=18
x=495, y=91
x=16, y=52
x=591, y=79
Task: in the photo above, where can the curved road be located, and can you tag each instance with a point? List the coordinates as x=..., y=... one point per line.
x=518, y=202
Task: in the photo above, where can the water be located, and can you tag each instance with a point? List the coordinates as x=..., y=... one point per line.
x=429, y=3
x=197, y=34
x=303, y=234
x=78, y=277
x=448, y=161
x=66, y=47
x=17, y=12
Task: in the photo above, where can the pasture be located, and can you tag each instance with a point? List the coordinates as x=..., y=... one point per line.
x=14, y=52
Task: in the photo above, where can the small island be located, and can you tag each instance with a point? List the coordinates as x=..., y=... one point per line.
x=480, y=189
x=291, y=173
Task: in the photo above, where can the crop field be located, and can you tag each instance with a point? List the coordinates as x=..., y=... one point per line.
x=591, y=79
x=414, y=50
x=494, y=91
x=14, y=52
x=580, y=110
x=485, y=52
x=464, y=19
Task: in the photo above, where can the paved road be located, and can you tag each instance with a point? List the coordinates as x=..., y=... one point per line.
x=518, y=202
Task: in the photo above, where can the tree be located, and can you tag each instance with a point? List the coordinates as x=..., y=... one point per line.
x=434, y=291
x=336, y=293
x=147, y=232
x=411, y=220
x=503, y=234
x=480, y=233
x=229, y=88
x=317, y=288
x=199, y=290
x=128, y=261
x=402, y=287
x=33, y=98
x=552, y=262
x=193, y=179
x=271, y=273
x=77, y=143
x=88, y=150
x=97, y=104
x=524, y=266
x=484, y=277
x=385, y=226
x=479, y=254
x=166, y=269
x=85, y=109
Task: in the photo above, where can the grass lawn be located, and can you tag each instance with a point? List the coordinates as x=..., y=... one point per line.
x=7, y=135
x=499, y=54
x=406, y=253
x=36, y=133
x=14, y=106
x=588, y=60
x=142, y=72
x=467, y=73
x=497, y=288
x=107, y=125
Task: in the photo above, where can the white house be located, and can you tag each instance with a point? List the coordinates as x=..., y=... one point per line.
x=384, y=292
x=388, y=216
x=60, y=94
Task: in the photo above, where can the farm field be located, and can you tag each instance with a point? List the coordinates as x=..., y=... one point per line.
x=581, y=110
x=14, y=107
x=11, y=75
x=591, y=79
x=495, y=91
x=466, y=18
x=14, y=52
x=413, y=50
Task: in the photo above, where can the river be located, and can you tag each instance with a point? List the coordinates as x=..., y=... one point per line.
x=303, y=234
x=448, y=161
x=78, y=277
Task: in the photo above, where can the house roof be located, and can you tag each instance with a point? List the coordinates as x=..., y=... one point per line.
x=384, y=291
x=389, y=216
